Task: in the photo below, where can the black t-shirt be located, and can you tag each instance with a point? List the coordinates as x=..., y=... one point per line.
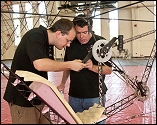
x=33, y=46
x=85, y=83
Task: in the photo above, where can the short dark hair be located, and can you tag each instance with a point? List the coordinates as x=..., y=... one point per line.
x=82, y=20
x=64, y=25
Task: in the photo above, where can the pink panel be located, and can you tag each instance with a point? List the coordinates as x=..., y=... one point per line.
x=46, y=93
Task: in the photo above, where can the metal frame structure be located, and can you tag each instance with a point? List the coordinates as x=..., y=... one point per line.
x=141, y=89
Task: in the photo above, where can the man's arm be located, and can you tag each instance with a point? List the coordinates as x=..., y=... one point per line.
x=65, y=76
x=47, y=64
x=105, y=69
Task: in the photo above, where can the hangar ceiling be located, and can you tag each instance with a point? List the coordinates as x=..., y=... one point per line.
x=83, y=5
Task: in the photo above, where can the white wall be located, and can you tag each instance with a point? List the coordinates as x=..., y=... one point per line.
x=143, y=45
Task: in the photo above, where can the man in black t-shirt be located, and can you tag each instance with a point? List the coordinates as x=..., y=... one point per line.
x=84, y=85
x=33, y=55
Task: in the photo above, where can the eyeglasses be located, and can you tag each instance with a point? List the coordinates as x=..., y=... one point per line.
x=68, y=41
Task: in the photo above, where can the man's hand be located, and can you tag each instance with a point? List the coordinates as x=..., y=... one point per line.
x=89, y=64
x=61, y=87
x=77, y=65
